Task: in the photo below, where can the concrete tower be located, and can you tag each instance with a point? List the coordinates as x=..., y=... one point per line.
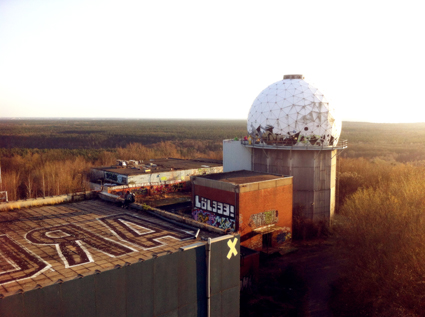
x=293, y=131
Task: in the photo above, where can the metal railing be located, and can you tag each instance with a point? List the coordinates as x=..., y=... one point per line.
x=342, y=144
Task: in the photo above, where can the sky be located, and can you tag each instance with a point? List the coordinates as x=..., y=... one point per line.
x=199, y=59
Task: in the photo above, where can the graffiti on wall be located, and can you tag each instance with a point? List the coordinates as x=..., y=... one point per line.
x=214, y=213
x=171, y=176
x=212, y=219
x=151, y=190
x=284, y=235
x=215, y=207
x=116, y=177
x=111, y=176
x=263, y=219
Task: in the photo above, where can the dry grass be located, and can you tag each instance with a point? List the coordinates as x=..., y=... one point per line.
x=48, y=201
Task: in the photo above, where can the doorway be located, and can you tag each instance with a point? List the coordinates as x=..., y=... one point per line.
x=267, y=241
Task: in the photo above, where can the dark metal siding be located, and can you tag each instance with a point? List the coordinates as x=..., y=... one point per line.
x=225, y=280
x=170, y=285
x=139, y=289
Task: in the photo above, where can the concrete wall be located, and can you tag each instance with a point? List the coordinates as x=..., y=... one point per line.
x=162, y=177
x=96, y=174
x=236, y=157
x=314, y=175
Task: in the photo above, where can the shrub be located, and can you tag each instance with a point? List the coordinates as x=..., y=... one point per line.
x=383, y=240
x=306, y=229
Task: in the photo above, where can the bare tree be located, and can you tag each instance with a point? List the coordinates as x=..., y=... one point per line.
x=29, y=184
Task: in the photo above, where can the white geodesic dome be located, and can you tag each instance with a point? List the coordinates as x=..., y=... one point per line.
x=292, y=108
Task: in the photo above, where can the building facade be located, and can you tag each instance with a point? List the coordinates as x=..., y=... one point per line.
x=313, y=171
x=258, y=206
x=154, y=172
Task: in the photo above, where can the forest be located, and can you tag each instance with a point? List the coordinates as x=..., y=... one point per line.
x=50, y=157
x=380, y=223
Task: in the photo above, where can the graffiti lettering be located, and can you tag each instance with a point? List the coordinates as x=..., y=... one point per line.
x=68, y=240
x=283, y=236
x=111, y=176
x=263, y=218
x=151, y=190
x=17, y=263
x=213, y=219
x=124, y=225
x=215, y=206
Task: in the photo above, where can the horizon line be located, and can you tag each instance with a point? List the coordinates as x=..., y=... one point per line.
x=172, y=119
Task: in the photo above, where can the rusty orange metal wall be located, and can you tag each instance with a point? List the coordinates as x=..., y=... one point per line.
x=263, y=200
x=215, y=194
x=249, y=206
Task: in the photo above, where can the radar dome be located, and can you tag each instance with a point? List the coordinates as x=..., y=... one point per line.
x=293, y=112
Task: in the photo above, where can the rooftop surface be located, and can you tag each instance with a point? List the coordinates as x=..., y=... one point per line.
x=162, y=165
x=41, y=246
x=242, y=177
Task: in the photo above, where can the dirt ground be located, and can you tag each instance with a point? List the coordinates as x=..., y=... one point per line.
x=294, y=284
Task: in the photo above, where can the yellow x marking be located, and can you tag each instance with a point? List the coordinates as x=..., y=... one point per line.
x=232, y=248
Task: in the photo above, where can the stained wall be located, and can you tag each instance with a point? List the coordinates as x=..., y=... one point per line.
x=160, y=177
x=168, y=285
x=268, y=206
x=314, y=175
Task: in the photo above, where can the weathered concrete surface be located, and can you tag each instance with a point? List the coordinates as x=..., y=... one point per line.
x=235, y=156
x=162, y=213
x=313, y=172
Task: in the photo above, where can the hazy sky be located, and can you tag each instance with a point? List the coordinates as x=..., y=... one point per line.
x=198, y=59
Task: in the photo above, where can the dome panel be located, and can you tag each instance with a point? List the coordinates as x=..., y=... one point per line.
x=295, y=106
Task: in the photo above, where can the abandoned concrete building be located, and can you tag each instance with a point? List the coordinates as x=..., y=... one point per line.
x=256, y=205
x=82, y=255
x=91, y=258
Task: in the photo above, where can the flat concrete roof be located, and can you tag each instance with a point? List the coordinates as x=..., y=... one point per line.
x=163, y=164
x=242, y=177
x=41, y=246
